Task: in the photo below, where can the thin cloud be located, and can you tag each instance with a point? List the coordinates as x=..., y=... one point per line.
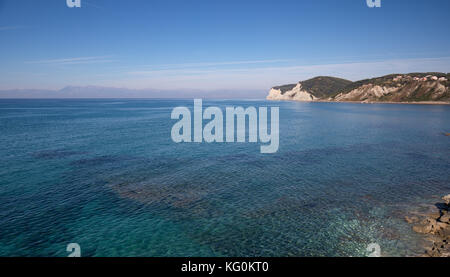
x=266, y=77
x=71, y=61
x=399, y=64
x=260, y=77
x=191, y=68
x=226, y=63
x=210, y=64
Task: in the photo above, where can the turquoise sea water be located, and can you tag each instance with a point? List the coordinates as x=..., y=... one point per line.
x=106, y=175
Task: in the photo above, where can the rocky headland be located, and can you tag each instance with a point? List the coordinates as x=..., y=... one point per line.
x=436, y=226
x=431, y=88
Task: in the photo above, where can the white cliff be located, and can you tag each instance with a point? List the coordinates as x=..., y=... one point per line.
x=295, y=94
x=275, y=94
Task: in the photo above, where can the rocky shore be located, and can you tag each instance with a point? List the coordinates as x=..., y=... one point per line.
x=436, y=226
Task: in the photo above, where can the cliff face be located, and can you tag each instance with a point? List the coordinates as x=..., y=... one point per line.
x=415, y=87
x=398, y=88
x=297, y=93
x=309, y=90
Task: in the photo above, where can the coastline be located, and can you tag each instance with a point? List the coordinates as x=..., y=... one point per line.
x=405, y=103
x=363, y=102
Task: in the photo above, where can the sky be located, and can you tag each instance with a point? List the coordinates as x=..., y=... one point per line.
x=216, y=44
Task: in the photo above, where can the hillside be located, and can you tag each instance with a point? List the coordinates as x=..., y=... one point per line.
x=309, y=90
x=322, y=87
x=413, y=87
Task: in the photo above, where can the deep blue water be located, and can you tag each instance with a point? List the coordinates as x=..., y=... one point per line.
x=106, y=175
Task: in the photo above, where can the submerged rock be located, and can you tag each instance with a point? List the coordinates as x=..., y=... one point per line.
x=411, y=219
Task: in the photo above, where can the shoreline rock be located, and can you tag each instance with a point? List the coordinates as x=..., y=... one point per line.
x=447, y=197
x=437, y=225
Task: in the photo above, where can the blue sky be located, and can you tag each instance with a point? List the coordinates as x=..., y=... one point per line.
x=216, y=44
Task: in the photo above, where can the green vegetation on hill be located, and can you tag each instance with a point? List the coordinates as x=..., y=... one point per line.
x=324, y=86
x=320, y=87
x=285, y=88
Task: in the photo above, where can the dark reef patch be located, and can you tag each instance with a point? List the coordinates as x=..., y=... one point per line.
x=56, y=154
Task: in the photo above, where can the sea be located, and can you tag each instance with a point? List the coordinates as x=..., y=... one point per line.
x=105, y=174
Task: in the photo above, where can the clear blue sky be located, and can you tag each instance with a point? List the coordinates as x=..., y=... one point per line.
x=216, y=44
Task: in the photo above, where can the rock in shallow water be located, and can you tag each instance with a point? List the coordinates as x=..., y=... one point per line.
x=411, y=219
x=445, y=218
x=439, y=249
x=438, y=225
x=446, y=199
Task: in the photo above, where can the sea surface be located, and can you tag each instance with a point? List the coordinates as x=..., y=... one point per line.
x=106, y=174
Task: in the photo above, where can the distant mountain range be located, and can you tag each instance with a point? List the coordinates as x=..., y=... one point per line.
x=403, y=88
